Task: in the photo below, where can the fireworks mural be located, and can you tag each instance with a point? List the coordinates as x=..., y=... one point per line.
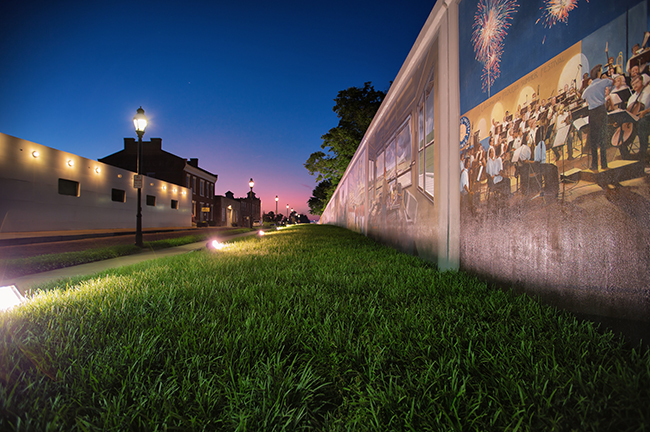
x=491, y=22
x=555, y=11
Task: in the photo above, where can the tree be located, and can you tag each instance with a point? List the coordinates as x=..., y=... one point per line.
x=320, y=196
x=355, y=107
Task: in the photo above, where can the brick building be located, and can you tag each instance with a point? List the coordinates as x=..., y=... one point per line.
x=231, y=211
x=163, y=165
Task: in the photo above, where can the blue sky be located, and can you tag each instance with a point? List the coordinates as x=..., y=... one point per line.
x=247, y=87
x=521, y=57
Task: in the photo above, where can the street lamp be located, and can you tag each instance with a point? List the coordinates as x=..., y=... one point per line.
x=251, y=183
x=276, y=206
x=140, y=122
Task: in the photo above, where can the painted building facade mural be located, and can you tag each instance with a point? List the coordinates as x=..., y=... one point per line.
x=513, y=145
x=555, y=194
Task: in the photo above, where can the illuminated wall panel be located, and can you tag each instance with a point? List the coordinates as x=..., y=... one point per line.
x=32, y=199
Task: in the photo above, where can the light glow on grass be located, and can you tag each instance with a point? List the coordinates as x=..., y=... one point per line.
x=260, y=233
x=215, y=245
x=10, y=297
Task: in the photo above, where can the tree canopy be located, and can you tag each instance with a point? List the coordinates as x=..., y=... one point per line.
x=355, y=107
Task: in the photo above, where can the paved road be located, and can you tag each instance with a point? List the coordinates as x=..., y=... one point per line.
x=44, y=246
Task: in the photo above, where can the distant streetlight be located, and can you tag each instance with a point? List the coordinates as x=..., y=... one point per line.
x=287, y=211
x=140, y=122
x=251, y=183
x=276, y=206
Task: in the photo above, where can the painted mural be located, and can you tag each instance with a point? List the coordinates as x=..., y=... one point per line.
x=554, y=183
x=554, y=196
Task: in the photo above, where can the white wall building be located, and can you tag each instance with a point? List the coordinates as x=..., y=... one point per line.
x=44, y=189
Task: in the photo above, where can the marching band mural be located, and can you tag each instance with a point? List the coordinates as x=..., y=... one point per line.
x=553, y=183
x=554, y=188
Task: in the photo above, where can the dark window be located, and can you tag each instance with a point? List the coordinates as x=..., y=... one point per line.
x=175, y=204
x=68, y=187
x=118, y=195
x=151, y=200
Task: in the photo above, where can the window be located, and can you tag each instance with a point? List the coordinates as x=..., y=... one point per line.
x=187, y=181
x=151, y=200
x=202, y=187
x=175, y=204
x=118, y=195
x=390, y=160
x=193, y=185
x=68, y=187
x=371, y=178
x=403, y=151
x=425, y=143
x=379, y=178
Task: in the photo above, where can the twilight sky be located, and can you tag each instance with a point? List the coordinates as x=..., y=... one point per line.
x=247, y=87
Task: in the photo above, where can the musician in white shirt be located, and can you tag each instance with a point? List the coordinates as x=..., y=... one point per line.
x=494, y=168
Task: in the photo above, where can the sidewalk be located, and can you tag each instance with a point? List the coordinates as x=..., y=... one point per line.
x=24, y=283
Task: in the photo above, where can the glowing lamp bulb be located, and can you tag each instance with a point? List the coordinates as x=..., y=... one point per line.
x=140, y=121
x=35, y=154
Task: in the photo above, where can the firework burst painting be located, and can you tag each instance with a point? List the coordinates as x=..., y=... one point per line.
x=556, y=11
x=491, y=23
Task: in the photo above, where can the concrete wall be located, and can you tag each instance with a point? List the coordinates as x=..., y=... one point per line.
x=30, y=198
x=398, y=188
x=577, y=237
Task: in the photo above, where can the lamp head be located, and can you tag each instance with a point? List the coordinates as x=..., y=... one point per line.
x=251, y=183
x=140, y=122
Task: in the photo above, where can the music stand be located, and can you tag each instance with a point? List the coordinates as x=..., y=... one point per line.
x=624, y=94
x=640, y=58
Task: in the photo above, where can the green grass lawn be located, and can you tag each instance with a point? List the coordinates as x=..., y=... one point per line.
x=308, y=328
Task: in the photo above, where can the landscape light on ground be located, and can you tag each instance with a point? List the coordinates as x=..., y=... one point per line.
x=9, y=297
x=260, y=233
x=215, y=245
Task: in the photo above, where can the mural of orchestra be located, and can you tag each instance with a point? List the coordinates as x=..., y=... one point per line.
x=548, y=188
x=554, y=176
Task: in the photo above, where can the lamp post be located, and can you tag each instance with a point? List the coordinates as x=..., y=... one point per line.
x=251, y=183
x=140, y=122
x=276, y=207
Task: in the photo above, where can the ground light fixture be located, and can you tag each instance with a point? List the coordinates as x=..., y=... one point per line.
x=10, y=297
x=260, y=233
x=214, y=245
